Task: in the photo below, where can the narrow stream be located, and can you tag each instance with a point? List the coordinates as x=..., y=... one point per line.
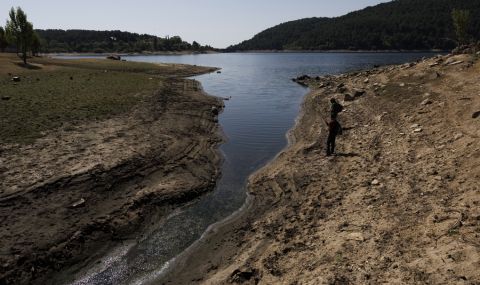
x=263, y=106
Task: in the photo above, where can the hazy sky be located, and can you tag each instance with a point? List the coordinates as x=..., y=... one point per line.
x=219, y=23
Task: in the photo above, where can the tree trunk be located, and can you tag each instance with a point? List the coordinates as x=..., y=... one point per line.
x=24, y=54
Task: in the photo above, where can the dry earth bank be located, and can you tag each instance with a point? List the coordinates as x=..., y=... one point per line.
x=398, y=204
x=91, y=151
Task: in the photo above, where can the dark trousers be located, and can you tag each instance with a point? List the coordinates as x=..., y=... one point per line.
x=331, y=143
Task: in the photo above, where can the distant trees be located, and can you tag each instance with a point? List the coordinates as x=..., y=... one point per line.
x=3, y=39
x=19, y=31
x=394, y=25
x=87, y=41
x=461, y=22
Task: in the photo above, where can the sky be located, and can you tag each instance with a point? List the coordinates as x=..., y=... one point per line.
x=218, y=23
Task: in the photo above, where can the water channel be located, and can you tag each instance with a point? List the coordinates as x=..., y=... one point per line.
x=263, y=106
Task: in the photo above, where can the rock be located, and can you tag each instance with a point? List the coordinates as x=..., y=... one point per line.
x=355, y=236
x=215, y=111
x=414, y=126
x=434, y=64
x=242, y=276
x=375, y=182
x=476, y=115
x=458, y=136
x=303, y=77
x=358, y=93
x=16, y=79
x=434, y=75
x=78, y=204
x=348, y=97
x=114, y=57
x=401, y=84
x=341, y=85
x=366, y=80
x=456, y=62
x=438, y=178
x=341, y=90
x=418, y=130
x=218, y=72
x=426, y=102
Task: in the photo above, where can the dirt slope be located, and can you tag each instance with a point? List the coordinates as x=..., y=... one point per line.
x=75, y=192
x=398, y=204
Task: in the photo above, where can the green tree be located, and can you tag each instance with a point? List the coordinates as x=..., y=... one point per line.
x=195, y=45
x=36, y=44
x=20, y=31
x=461, y=22
x=3, y=40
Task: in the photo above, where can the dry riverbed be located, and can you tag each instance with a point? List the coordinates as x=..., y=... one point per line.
x=90, y=152
x=398, y=204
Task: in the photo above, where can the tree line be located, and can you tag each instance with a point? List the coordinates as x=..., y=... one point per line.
x=396, y=25
x=19, y=36
x=87, y=41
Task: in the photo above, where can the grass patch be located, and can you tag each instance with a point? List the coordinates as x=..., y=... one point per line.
x=48, y=98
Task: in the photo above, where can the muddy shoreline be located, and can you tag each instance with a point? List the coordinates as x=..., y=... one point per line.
x=94, y=186
x=398, y=204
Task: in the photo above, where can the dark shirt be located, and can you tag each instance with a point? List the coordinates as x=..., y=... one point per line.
x=334, y=128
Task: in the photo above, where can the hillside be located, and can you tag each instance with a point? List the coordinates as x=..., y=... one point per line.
x=111, y=41
x=397, y=25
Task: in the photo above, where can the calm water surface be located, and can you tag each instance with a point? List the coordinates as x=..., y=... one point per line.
x=263, y=107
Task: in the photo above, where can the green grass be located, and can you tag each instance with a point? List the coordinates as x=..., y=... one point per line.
x=60, y=93
x=47, y=100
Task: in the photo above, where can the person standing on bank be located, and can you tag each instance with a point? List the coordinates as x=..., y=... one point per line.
x=335, y=107
x=334, y=129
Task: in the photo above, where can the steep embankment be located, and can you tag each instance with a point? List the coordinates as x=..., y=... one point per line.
x=74, y=191
x=398, y=204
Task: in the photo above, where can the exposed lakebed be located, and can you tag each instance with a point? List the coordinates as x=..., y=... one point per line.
x=263, y=104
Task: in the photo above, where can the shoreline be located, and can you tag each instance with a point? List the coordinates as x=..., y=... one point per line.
x=309, y=226
x=120, y=173
x=127, y=54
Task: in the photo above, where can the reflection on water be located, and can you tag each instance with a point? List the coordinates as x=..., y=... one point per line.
x=263, y=106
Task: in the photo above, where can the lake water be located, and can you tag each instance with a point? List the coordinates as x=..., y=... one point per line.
x=263, y=106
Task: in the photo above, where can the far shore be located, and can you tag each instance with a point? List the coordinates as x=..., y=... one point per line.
x=249, y=51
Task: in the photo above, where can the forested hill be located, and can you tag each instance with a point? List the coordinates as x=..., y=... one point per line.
x=111, y=41
x=396, y=25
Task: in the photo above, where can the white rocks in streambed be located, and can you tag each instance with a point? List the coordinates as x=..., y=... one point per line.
x=401, y=84
x=375, y=182
x=78, y=204
x=418, y=130
x=366, y=80
x=415, y=126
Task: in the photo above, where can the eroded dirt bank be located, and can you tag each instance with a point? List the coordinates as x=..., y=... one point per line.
x=77, y=191
x=398, y=204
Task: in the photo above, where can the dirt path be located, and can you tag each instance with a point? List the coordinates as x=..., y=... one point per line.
x=398, y=204
x=76, y=192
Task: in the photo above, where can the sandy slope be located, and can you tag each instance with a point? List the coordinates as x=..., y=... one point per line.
x=120, y=172
x=399, y=204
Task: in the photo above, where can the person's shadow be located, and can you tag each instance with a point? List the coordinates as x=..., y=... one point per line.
x=350, y=154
